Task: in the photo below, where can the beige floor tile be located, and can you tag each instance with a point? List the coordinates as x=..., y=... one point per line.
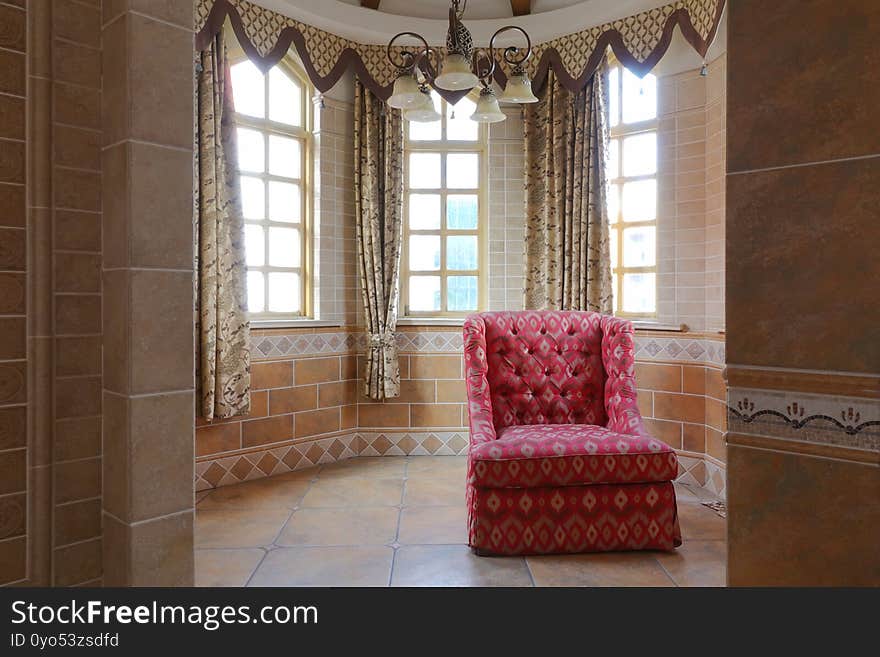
x=455, y=565
x=325, y=566
x=354, y=492
x=601, y=569
x=357, y=526
x=236, y=527
x=421, y=525
x=700, y=522
x=226, y=567
x=384, y=467
x=697, y=563
x=281, y=491
x=434, y=492
x=419, y=466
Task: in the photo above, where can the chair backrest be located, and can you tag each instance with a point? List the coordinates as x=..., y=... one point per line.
x=543, y=367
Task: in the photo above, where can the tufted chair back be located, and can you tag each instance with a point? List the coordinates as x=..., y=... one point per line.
x=546, y=367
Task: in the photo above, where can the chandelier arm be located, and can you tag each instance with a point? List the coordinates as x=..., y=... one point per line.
x=430, y=68
x=510, y=52
x=408, y=59
x=480, y=55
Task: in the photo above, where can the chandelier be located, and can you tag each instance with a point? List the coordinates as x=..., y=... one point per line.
x=463, y=69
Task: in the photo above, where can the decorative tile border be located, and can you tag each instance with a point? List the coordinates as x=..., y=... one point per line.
x=651, y=347
x=851, y=422
x=279, y=460
x=687, y=350
x=302, y=344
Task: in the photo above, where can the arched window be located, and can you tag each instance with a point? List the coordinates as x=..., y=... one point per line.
x=273, y=116
x=443, y=268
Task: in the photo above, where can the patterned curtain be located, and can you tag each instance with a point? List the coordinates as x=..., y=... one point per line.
x=566, y=253
x=378, y=179
x=224, y=378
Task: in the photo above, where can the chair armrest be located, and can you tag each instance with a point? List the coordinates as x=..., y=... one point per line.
x=476, y=370
x=618, y=359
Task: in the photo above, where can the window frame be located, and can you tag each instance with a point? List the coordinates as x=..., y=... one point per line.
x=616, y=224
x=445, y=147
x=305, y=134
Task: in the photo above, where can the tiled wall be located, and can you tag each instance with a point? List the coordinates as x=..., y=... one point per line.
x=802, y=298
x=690, y=215
x=506, y=212
x=13, y=299
x=716, y=164
x=52, y=398
x=148, y=396
x=336, y=292
x=308, y=408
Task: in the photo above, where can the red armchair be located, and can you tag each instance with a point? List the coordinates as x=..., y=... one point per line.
x=559, y=459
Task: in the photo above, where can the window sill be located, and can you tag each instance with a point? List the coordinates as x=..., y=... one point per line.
x=459, y=321
x=290, y=323
x=430, y=321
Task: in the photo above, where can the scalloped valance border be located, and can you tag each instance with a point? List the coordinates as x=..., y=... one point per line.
x=637, y=41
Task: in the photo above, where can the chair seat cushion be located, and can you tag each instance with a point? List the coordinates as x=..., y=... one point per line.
x=529, y=456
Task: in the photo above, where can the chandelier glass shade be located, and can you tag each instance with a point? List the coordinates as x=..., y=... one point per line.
x=463, y=69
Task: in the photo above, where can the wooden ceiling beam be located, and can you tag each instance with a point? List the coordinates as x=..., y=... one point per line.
x=521, y=7
x=370, y=4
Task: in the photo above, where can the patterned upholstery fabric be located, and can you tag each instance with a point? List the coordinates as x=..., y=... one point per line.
x=571, y=519
x=568, y=454
x=560, y=460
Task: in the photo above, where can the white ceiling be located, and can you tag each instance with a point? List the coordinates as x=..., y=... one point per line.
x=476, y=9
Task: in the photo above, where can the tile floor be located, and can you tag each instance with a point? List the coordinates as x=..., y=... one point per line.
x=400, y=521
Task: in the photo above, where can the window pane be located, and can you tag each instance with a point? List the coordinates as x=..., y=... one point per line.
x=459, y=126
x=461, y=252
x=424, y=170
x=284, y=292
x=612, y=247
x=639, y=247
x=613, y=203
x=256, y=291
x=255, y=245
x=639, y=292
x=248, y=89
x=613, y=170
x=614, y=95
x=461, y=293
x=639, y=97
x=253, y=198
x=251, y=151
x=424, y=211
x=424, y=293
x=424, y=252
x=614, y=292
x=426, y=131
x=285, y=98
x=285, y=202
x=285, y=156
x=640, y=201
x=462, y=170
x=461, y=211
x=640, y=155
x=285, y=247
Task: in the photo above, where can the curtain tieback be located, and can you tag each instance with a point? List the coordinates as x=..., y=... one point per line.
x=385, y=340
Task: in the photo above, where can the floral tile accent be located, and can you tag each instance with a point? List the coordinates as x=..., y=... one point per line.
x=821, y=419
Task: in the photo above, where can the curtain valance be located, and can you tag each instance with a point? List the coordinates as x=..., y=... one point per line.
x=638, y=41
